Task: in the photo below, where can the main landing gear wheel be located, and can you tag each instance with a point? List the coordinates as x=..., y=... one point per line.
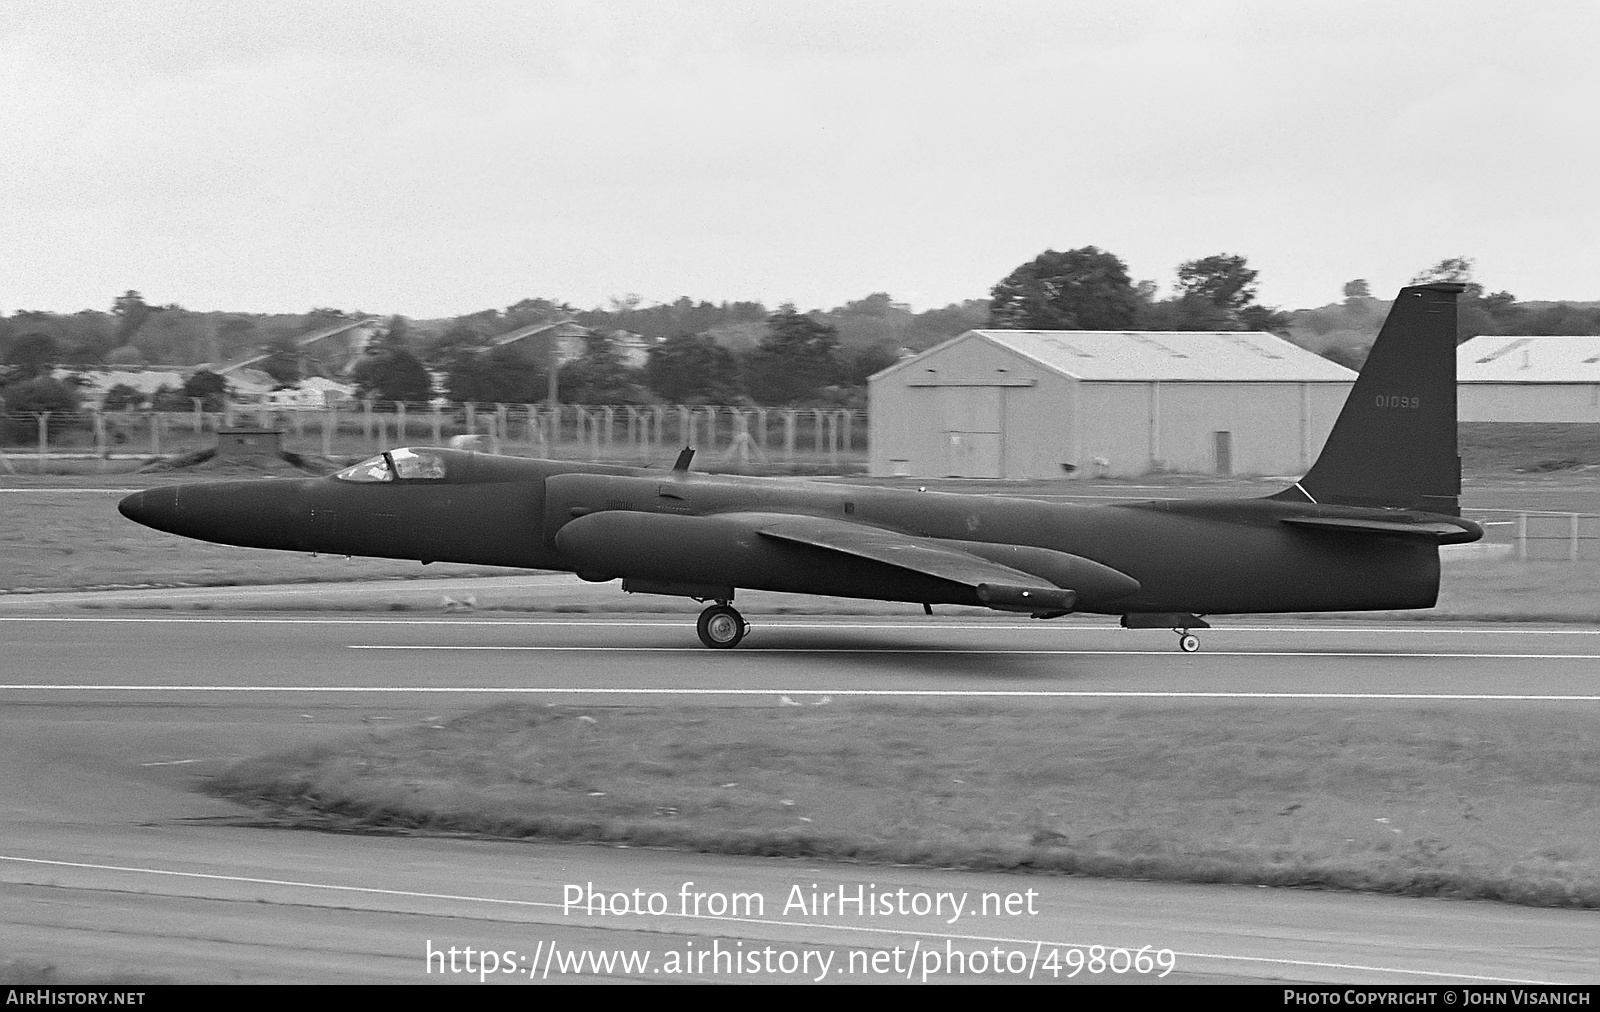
x=721, y=627
x=1188, y=642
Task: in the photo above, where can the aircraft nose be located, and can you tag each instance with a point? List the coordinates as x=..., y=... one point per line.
x=155, y=507
x=265, y=513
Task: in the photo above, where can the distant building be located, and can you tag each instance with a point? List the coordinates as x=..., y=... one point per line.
x=95, y=382
x=249, y=386
x=633, y=349
x=328, y=351
x=1039, y=404
x=1528, y=379
x=313, y=392
x=571, y=340
x=245, y=385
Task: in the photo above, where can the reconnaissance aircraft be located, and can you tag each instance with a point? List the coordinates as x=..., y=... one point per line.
x=1360, y=531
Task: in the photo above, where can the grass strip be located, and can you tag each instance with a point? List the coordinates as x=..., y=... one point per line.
x=1443, y=801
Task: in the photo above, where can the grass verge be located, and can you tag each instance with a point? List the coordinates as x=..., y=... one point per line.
x=1442, y=802
x=14, y=972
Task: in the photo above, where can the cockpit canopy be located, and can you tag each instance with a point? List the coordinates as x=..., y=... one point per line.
x=404, y=464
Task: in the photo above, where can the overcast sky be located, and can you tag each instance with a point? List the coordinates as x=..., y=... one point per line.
x=432, y=158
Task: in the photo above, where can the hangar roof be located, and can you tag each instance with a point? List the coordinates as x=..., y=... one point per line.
x=1537, y=359
x=1140, y=356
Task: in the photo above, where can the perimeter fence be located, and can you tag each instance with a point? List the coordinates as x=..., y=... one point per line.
x=824, y=435
x=1540, y=535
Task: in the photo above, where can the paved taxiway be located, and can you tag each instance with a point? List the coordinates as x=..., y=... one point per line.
x=111, y=864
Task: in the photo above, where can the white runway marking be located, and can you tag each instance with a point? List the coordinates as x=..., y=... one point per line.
x=969, y=651
x=769, y=922
x=820, y=622
x=523, y=690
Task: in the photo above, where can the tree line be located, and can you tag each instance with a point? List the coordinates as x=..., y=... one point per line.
x=1344, y=331
x=795, y=359
x=704, y=352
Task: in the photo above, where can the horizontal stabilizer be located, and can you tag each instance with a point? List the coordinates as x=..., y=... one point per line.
x=1446, y=533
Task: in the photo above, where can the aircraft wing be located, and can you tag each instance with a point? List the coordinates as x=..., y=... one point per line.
x=997, y=585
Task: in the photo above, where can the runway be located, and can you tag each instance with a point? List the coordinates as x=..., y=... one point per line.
x=113, y=866
x=54, y=657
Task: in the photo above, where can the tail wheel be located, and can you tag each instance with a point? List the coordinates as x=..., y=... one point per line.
x=721, y=627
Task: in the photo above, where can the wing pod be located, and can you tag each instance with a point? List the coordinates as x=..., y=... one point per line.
x=1028, y=599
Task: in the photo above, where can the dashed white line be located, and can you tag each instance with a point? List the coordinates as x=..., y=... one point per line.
x=524, y=690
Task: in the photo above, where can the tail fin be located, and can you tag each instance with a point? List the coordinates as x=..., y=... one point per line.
x=1394, y=444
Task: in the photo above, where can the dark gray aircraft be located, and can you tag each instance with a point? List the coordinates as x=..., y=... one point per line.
x=1360, y=531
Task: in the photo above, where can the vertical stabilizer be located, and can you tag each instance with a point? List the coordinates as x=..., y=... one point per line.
x=1394, y=443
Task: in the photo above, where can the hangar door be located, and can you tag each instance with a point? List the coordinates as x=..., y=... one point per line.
x=973, y=440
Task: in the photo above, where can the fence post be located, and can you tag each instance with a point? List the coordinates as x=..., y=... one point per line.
x=761, y=428
x=438, y=426
x=100, y=449
x=816, y=417
x=789, y=416
x=849, y=444
x=472, y=418
x=383, y=434
x=366, y=421
x=44, y=437
x=711, y=427
x=400, y=423
x=1572, y=544
x=497, y=427
x=833, y=437
x=330, y=421
x=1522, y=537
x=155, y=434
x=198, y=417
x=635, y=436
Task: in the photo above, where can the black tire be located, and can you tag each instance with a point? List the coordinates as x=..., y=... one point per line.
x=721, y=627
x=1188, y=643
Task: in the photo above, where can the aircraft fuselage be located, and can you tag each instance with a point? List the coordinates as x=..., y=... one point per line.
x=664, y=531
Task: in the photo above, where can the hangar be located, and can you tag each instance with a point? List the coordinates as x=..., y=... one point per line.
x=1078, y=403
x=1528, y=379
